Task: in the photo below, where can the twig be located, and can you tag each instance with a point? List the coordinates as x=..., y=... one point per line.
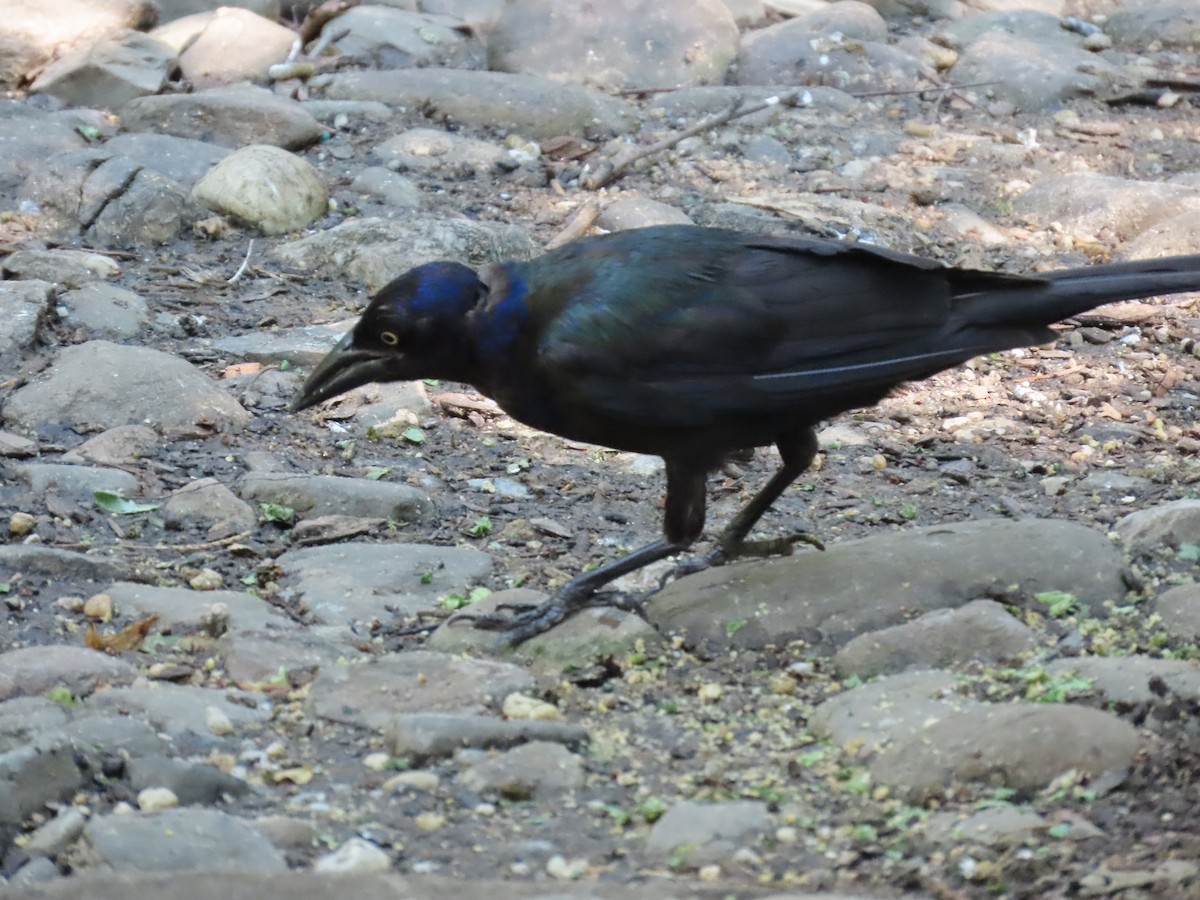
x=236, y=277
x=581, y=220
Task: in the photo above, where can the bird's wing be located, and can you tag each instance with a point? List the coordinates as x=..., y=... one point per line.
x=729, y=323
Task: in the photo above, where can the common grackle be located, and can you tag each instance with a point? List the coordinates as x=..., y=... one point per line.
x=691, y=343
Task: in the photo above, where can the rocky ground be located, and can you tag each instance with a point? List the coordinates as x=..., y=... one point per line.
x=224, y=663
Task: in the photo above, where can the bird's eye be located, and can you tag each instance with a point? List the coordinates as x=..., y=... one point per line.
x=389, y=337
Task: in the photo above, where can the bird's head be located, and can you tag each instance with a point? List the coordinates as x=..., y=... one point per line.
x=415, y=327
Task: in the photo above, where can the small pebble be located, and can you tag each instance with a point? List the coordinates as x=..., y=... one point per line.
x=710, y=691
x=559, y=867
x=206, y=580
x=216, y=721
x=429, y=821
x=98, y=606
x=376, y=762
x=710, y=872
x=522, y=706
x=417, y=780
x=356, y=855
x=154, y=798
x=20, y=524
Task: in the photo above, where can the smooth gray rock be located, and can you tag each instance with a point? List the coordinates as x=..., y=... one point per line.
x=192, y=783
x=387, y=186
x=419, y=149
x=372, y=694
x=181, y=610
x=34, y=30
x=1031, y=74
x=24, y=309
x=344, y=583
x=533, y=107
x=1127, y=679
x=426, y=736
x=1173, y=23
x=36, y=670
x=1176, y=236
x=891, y=708
x=69, y=268
x=694, y=833
x=105, y=311
x=181, y=159
x=21, y=717
x=77, y=483
x=1163, y=527
x=258, y=656
x=124, y=445
x=323, y=495
x=35, y=775
x=1024, y=23
x=640, y=212
x=635, y=43
x=230, y=117
x=1180, y=611
x=176, y=840
x=108, y=73
x=981, y=630
x=140, y=386
x=182, y=709
x=28, y=138
x=1088, y=204
x=1022, y=746
x=788, y=54
x=534, y=771
x=862, y=585
x=373, y=251
x=383, y=37
x=51, y=562
x=208, y=502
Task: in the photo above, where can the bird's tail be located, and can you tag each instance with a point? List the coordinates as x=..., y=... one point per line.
x=1053, y=296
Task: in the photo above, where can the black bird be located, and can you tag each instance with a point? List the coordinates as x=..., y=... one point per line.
x=691, y=343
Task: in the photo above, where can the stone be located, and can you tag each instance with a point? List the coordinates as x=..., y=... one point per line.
x=640, y=212
x=141, y=386
x=1157, y=528
x=108, y=73
x=1021, y=746
x=124, y=445
x=531, y=106
x=178, y=840
x=33, y=776
x=35, y=30
x=981, y=630
x=36, y=670
x=105, y=311
x=52, y=563
x=1129, y=679
x=383, y=37
x=266, y=188
x=384, y=185
x=78, y=483
x=181, y=159
x=692, y=833
x=1031, y=74
x=426, y=736
x=533, y=771
x=181, y=610
x=1171, y=23
x=191, y=783
x=374, y=251
x=26, y=139
x=791, y=54
x=182, y=710
x=635, y=43
x=24, y=309
x=828, y=598
x=344, y=583
x=373, y=693
x=208, y=502
x=234, y=45
x=227, y=116
x=322, y=495
x=1179, y=608
x=69, y=268
x=419, y=149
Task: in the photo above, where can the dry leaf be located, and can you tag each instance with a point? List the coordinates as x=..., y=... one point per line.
x=236, y=369
x=128, y=638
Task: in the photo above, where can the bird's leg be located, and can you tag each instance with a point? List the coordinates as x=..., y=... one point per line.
x=682, y=524
x=798, y=451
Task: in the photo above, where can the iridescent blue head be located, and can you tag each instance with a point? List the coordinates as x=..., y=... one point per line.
x=415, y=327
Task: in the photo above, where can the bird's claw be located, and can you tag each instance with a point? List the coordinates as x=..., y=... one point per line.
x=530, y=620
x=728, y=551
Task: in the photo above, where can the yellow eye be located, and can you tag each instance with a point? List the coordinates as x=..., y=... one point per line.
x=389, y=337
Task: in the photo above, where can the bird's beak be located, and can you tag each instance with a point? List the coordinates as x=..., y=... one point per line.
x=344, y=368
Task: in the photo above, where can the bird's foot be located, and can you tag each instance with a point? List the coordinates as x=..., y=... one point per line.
x=528, y=620
x=728, y=551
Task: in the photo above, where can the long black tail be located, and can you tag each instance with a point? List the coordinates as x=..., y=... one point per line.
x=1053, y=296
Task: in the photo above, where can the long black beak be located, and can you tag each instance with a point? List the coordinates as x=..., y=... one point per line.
x=343, y=369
